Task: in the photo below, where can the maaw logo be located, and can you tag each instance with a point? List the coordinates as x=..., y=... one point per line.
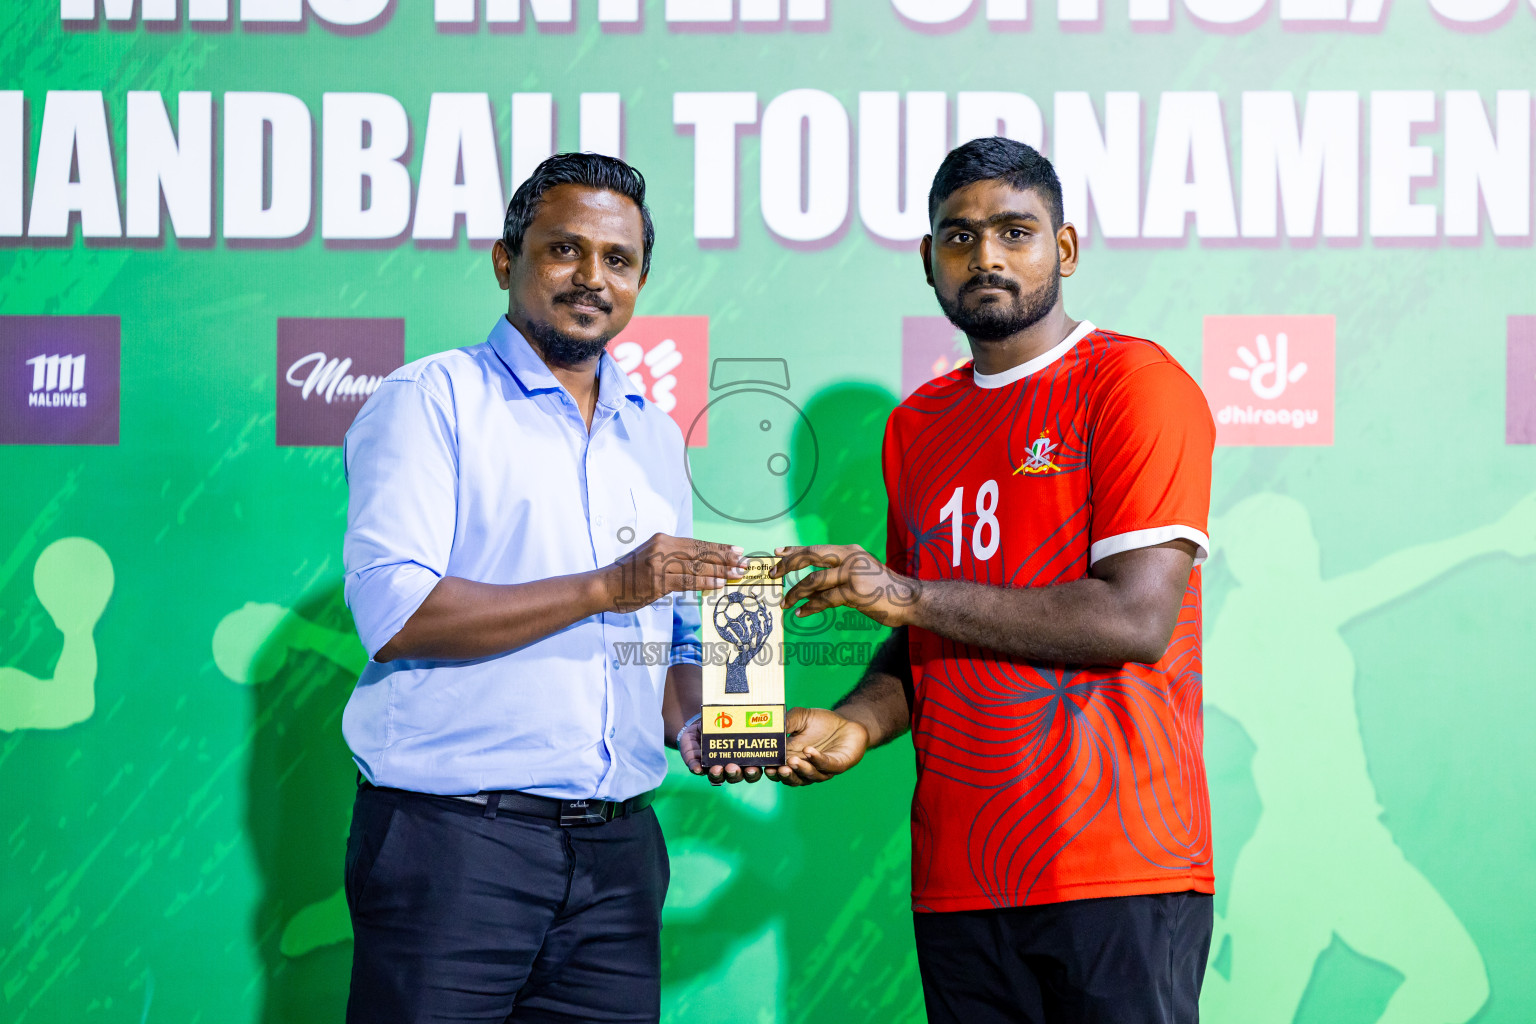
x=59, y=379
x=724, y=721
x=329, y=380
x=667, y=360
x=326, y=369
x=1269, y=379
x=1037, y=459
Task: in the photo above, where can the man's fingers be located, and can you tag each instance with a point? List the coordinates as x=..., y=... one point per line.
x=806, y=771
x=824, y=764
x=712, y=551
x=719, y=774
x=813, y=607
x=692, y=753
x=787, y=777
x=812, y=584
x=699, y=567
x=837, y=597
x=823, y=556
x=673, y=583
x=796, y=720
x=815, y=583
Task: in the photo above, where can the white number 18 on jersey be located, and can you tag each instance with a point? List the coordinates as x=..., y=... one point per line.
x=986, y=523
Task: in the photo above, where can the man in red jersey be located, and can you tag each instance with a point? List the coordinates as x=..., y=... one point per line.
x=1047, y=519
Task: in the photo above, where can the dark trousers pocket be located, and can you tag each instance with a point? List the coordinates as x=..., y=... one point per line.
x=372, y=814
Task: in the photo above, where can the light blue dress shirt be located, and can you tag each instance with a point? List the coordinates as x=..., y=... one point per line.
x=476, y=463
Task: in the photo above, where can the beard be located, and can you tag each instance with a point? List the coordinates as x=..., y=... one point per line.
x=995, y=321
x=562, y=349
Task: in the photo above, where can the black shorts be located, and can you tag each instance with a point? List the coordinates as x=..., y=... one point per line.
x=1119, y=960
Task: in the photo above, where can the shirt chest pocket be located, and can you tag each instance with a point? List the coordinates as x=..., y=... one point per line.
x=649, y=514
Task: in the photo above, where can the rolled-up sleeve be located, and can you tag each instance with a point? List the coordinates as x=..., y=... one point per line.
x=686, y=649
x=402, y=477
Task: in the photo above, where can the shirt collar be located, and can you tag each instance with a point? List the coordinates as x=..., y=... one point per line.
x=1040, y=362
x=533, y=374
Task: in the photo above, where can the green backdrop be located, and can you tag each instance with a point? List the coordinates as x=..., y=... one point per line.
x=176, y=855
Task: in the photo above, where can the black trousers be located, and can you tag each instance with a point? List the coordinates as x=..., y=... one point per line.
x=461, y=917
x=1119, y=960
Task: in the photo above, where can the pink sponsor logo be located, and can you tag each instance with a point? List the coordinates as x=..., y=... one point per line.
x=931, y=346
x=1269, y=379
x=667, y=359
x=1520, y=382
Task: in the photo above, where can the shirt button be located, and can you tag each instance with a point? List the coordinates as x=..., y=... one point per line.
x=615, y=663
x=612, y=733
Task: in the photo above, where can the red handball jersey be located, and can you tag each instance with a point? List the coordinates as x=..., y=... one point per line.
x=1038, y=783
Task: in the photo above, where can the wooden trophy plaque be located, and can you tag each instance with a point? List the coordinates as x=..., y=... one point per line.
x=743, y=635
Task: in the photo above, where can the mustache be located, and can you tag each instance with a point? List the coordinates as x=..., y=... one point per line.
x=589, y=298
x=990, y=281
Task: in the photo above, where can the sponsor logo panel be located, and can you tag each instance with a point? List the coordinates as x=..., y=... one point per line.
x=60, y=379
x=931, y=346
x=1520, y=382
x=1269, y=379
x=667, y=360
x=326, y=369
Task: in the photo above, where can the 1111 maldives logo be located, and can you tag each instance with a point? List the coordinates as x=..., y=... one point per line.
x=1269, y=379
x=59, y=380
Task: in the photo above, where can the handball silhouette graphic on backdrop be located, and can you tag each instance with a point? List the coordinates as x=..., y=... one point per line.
x=779, y=939
x=73, y=579
x=250, y=646
x=1321, y=862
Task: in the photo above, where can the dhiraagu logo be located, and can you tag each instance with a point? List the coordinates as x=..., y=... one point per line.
x=724, y=721
x=759, y=719
x=1269, y=379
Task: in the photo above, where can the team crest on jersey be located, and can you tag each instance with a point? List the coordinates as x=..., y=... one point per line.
x=1039, y=458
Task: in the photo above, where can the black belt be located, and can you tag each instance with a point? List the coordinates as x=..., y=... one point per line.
x=568, y=813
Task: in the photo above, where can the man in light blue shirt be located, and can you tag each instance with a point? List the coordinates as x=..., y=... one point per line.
x=512, y=546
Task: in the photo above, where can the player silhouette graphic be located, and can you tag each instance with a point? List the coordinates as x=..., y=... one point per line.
x=1321, y=862
x=745, y=623
x=73, y=579
x=250, y=646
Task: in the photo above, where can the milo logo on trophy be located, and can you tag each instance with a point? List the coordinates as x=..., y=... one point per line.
x=743, y=680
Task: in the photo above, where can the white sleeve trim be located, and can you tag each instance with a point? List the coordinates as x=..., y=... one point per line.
x=1147, y=538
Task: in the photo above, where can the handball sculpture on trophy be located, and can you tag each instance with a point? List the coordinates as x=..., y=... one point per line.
x=743, y=672
x=746, y=623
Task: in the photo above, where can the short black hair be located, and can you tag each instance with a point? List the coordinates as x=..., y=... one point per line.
x=592, y=170
x=997, y=159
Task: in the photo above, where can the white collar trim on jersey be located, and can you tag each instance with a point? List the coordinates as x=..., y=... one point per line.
x=1040, y=362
